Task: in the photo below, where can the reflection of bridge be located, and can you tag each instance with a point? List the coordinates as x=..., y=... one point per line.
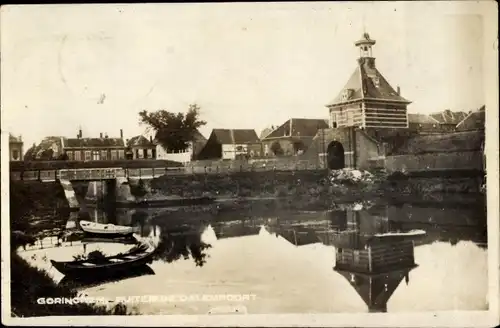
x=106, y=179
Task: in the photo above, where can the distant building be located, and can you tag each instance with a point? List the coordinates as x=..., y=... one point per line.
x=16, y=145
x=449, y=118
x=231, y=144
x=94, y=149
x=50, y=148
x=292, y=137
x=141, y=148
x=186, y=155
x=474, y=121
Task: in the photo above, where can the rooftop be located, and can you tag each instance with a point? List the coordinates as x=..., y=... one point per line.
x=298, y=127
x=235, y=136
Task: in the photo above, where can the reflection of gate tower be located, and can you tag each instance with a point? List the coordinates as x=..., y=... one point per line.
x=374, y=266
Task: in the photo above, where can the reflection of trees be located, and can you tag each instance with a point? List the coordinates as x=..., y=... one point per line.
x=174, y=246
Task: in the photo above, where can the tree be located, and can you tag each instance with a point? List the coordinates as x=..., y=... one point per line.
x=277, y=149
x=173, y=131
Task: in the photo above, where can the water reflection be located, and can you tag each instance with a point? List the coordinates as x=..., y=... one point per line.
x=294, y=261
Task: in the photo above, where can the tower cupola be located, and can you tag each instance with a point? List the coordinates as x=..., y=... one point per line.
x=365, y=46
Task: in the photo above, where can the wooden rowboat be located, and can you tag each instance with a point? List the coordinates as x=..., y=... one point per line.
x=105, y=266
x=105, y=230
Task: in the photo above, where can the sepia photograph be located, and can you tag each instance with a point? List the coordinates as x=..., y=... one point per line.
x=250, y=164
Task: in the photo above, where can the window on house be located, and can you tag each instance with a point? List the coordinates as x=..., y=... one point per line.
x=70, y=155
x=139, y=153
x=78, y=155
x=95, y=155
x=104, y=155
x=150, y=153
x=121, y=154
x=88, y=155
x=15, y=154
x=114, y=154
x=144, y=153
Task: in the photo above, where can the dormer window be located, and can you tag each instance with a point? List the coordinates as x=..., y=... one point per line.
x=346, y=94
x=376, y=81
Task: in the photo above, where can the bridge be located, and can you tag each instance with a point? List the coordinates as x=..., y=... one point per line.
x=107, y=180
x=91, y=170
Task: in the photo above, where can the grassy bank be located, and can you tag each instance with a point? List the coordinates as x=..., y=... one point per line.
x=28, y=284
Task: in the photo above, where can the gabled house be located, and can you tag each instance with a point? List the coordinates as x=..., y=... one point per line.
x=185, y=156
x=474, y=121
x=449, y=118
x=292, y=137
x=94, y=149
x=141, y=147
x=231, y=144
x=422, y=123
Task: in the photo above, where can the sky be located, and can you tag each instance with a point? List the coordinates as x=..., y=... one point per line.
x=247, y=65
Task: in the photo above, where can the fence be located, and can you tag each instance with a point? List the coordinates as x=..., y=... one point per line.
x=253, y=165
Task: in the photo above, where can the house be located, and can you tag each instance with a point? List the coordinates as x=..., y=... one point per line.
x=16, y=145
x=231, y=144
x=423, y=123
x=292, y=137
x=94, y=149
x=141, y=148
x=449, y=118
x=186, y=155
x=474, y=121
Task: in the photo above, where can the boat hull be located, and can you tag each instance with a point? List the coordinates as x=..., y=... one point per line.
x=167, y=202
x=92, y=229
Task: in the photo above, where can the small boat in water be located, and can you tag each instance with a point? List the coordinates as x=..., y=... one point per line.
x=109, y=230
x=104, y=266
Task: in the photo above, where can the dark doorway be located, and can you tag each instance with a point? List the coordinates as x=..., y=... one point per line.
x=335, y=156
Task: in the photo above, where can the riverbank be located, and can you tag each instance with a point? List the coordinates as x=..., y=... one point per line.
x=302, y=189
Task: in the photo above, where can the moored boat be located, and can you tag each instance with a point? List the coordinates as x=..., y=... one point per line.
x=105, y=266
x=94, y=229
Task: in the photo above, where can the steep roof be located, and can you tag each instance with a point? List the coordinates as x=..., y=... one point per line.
x=298, y=127
x=376, y=290
x=367, y=83
x=473, y=121
x=139, y=141
x=13, y=139
x=449, y=117
x=93, y=142
x=421, y=119
x=236, y=136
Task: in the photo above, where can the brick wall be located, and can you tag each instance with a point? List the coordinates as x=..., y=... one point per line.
x=460, y=160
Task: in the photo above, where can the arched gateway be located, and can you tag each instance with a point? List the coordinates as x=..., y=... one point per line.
x=335, y=156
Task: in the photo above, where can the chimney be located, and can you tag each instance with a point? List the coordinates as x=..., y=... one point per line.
x=121, y=133
x=399, y=91
x=106, y=136
x=100, y=135
x=151, y=139
x=80, y=133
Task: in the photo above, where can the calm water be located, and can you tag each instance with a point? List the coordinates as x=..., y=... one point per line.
x=300, y=262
